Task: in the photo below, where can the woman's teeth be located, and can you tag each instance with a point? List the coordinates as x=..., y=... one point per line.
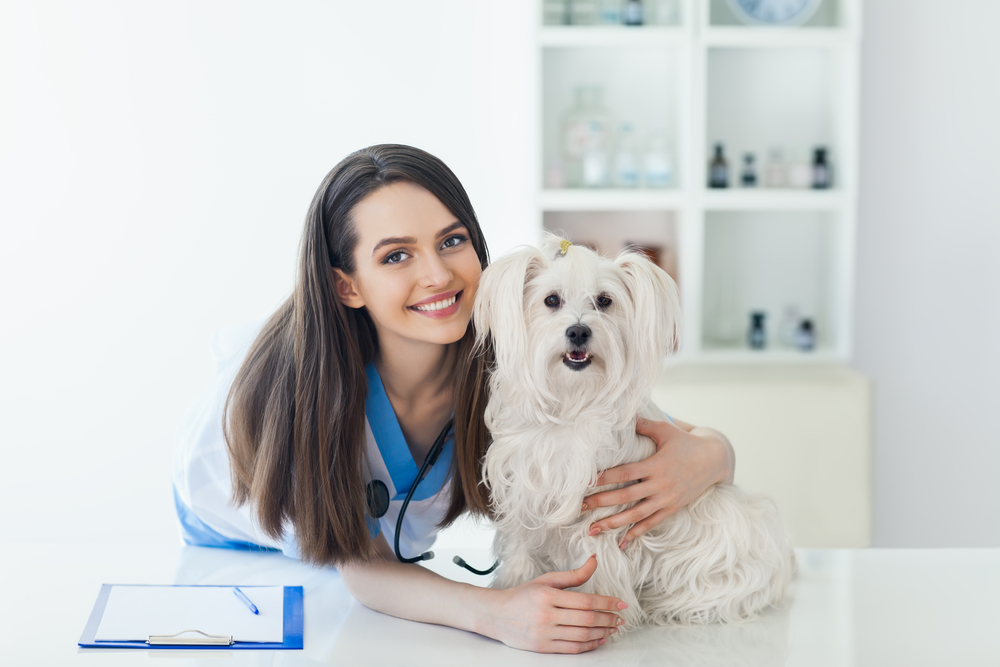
x=437, y=305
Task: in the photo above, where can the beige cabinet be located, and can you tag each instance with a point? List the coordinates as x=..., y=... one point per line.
x=802, y=433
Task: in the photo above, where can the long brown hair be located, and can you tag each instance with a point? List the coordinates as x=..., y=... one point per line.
x=294, y=420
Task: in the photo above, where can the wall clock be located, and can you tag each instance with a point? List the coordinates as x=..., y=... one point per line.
x=774, y=12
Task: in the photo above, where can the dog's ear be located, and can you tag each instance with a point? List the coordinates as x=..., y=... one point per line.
x=499, y=306
x=656, y=310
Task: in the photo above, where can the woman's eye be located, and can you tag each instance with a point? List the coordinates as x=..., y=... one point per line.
x=394, y=257
x=552, y=301
x=603, y=301
x=453, y=241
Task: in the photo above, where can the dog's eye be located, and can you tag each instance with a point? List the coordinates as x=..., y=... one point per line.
x=552, y=301
x=603, y=301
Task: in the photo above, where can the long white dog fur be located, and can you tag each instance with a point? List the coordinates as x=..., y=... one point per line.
x=562, y=409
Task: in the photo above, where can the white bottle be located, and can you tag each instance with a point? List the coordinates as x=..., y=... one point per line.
x=775, y=173
x=800, y=173
x=788, y=331
x=595, y=162
x=658, y=167
x=626, y=162
x=586, y=141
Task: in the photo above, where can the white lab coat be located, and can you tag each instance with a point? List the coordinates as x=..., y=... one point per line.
x=201, y=479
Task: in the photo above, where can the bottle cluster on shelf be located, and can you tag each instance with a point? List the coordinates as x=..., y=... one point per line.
x=795, y=331
x=777, y=172
x=597, y=152
x=611, y=12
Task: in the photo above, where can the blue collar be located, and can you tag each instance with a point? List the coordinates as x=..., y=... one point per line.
x=393, y=448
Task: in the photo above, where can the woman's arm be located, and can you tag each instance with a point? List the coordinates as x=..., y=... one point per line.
x=688, y=460
x=538, y=616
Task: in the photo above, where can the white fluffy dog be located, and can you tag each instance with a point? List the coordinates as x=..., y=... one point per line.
x=579, y=342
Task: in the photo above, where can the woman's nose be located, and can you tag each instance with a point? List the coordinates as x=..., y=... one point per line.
x=436, y=271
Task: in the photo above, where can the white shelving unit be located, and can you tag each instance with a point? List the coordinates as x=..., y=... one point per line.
x=708, y=80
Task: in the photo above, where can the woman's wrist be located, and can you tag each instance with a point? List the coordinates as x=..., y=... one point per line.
x=723, y=454
x=477, y=604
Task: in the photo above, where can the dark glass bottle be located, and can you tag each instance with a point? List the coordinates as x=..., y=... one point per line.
x=632, y=12
x=718, y=170
x=821, y=170
x=756, y=337
x=749, y=177
x=805, y=337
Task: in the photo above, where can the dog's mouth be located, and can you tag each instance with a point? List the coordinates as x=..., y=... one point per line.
x=577, y=359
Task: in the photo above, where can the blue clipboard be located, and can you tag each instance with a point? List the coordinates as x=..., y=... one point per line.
x=291, y=627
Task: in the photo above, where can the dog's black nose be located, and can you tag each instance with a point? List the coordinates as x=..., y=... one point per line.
x=578, y=334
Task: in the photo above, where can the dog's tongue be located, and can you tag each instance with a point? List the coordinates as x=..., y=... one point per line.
x=577, y=356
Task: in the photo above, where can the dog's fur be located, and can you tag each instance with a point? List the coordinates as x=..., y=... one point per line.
x=557, y=423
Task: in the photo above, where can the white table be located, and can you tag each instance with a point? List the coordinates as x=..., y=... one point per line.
x=847, y=607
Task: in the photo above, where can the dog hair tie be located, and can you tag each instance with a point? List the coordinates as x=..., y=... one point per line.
x=564, y=246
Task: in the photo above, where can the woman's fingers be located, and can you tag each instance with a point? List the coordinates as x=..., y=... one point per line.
x=645, y=525
x=572, y=600
x=623, y=473
x=633, y=515
x=559, y=646
x=588, y=619
x=623, y=496
x=574, y=633
x=570, y=578
x=565, y=621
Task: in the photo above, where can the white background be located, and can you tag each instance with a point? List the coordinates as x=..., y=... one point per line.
x=157, y=160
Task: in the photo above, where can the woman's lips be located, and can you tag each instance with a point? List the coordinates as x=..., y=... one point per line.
x=441, y=312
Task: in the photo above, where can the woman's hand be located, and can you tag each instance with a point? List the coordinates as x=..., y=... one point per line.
x=541, y=616
x=687, y=461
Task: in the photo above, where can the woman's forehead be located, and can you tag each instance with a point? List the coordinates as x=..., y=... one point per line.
x=399, y=209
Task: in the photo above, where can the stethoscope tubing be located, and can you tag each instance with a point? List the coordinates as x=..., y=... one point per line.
x=429, y=460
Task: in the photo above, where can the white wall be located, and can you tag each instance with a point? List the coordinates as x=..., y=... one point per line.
x=156, y=163
x=928, y=281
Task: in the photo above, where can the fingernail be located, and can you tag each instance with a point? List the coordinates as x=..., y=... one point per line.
x=622, y=605
x=623, y=544
x=602, y=640
x=584, y=508
x=614, y=630
x=620, y=621
x=594, y=530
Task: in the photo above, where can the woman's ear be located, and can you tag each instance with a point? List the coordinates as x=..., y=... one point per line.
x=346, y=291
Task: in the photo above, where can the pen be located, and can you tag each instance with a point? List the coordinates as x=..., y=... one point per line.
x=245, y=599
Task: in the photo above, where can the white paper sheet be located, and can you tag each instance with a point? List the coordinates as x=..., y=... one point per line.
x=134, y=612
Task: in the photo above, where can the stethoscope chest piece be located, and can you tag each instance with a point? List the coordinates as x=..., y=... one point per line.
x=377, y=495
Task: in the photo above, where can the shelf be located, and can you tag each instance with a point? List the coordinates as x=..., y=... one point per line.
x=756, y=90
x=773, y=200
x=610, y=200
x=610, y=35
x=761, y=37
x=768, y=356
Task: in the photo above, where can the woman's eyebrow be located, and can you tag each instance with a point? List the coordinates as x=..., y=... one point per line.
x=450, y=228
x=391, y=240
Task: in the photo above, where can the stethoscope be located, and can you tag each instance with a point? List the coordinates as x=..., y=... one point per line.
x=377, y=495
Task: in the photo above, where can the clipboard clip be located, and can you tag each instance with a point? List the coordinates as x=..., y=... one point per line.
x=176, y=639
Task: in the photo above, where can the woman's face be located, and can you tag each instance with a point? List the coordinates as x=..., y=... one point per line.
x=416, y=270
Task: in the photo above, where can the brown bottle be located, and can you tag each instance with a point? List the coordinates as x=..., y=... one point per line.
x=718, y=170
